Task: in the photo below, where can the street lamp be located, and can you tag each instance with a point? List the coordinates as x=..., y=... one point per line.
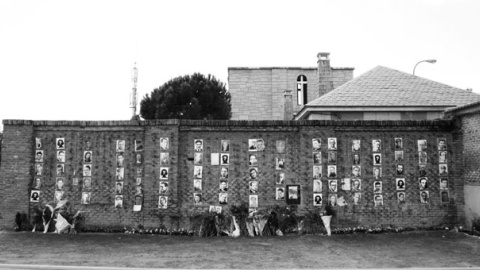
x=431, y=61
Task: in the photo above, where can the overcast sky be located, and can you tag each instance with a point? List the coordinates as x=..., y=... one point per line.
x=72, y=60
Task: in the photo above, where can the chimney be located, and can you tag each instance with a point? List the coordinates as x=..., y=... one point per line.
x=325, y=83
x=287, y=105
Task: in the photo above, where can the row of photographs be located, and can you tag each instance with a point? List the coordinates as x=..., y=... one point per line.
x=355, y=185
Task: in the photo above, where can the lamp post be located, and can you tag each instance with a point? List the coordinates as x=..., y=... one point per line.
x=431, y=61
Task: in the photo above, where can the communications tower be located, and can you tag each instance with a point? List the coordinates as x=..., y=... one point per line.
x=133, y=95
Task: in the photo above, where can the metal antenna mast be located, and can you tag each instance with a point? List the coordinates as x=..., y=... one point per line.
x=133, y=96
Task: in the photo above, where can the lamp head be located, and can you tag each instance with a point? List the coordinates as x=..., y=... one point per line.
x=431, y=61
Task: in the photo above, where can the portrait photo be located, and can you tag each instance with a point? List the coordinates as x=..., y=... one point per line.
x=118, y=201
x=222, y=198
x=223, y=186
x=253, y=201
x=59, y=183
x=422, y=157
x=119, y=188
x=138, y=158
x=332, y=157
x=377, y=187
x=197, y=185
x=398, y=156
x=35, y=196
x=355, y=145
x=253, y=172
x=138, y=190
x=441, y=144
x=316, y=144
x=399, y=169
x=164, y=172
x=400, y=183
x=88, y=145
x=198, y=145
x=377, y=145
x=37, y=183
x=38, y=143
x=377, y=172
x=212, y=209
x=162, y=202
x=332, y=171
x=401, y=197
x=120, y=160
x=317, y=199
x=443, y=183
x=225, y=159
x=197, y=172
x=332, y=143
x=332, y=199
x=120, y=146
x=293, y=194
x=422, y=145
x=422, y=170
x=138, y=144
x=317, y=185
x=279, y=163
x=61, y=156
x=225, y=145
x=39, y=156
x=442, y=156
x=443, y=169
x=424, y=197
x=332, y=186
x=87, y=183
x=224, y=172
x=279, y=193
x=357, y=198
x=87, y=157
x=377, y=159
x=164, y=158
x=423, y=183
x=86, y=197
x=87, y=169
x=164, y=143
x=356, y=185
x=280, y=180
x=197, y=198
x=444, y=196
x=317, y=172
x=356, y=171
x=58, y=196
x=317, y=158
x=119, y=173
x=61, y=170
x=252, y=144
x=253, y=187
x=356, y=159
x=280, y=146
x=398, y=143
x=252, y=160
x=138, y=200
x=60, y=143
x=260, y=145
x=218, y=209
x=378, y=200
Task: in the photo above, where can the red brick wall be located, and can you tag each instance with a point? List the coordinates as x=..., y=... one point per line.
x=16, y=175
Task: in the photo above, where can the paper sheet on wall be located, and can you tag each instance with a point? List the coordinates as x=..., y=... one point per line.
x=137, y=208
x=345, y=184
x=215, y=157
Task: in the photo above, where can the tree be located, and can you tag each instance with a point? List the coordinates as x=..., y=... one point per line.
x=188, y=97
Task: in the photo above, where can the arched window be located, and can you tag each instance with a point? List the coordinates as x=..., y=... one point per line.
x=302, y=90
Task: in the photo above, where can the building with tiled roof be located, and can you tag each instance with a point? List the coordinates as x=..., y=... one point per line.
x=387, y=94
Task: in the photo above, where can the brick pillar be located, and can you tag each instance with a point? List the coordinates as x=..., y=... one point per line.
x=325, y=83
x=288, y=105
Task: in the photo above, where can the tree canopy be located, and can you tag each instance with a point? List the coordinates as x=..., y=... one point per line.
x=188, y=97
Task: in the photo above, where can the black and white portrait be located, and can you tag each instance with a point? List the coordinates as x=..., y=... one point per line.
x=253, y=201
x=424, y=196
x=87, y=183
x=139, y=190
x=61, y=156
x=442, y=144
x=260, y=145
x=163, y=187
x=253, y=173
x=332, y=186
x=317, y=172
x=118, y=201
x=138, y=181
x=119, y=188
x=400, y=183
x=398, y=156
x=317, y=185
x=377, y=187
x=401, y=197
x=87, y=157
x=332, y=143
x=138, y=158
x=39, y=156
x=224, y=172
x=423, y=183
x=332, y=171
x=197, y=172
x=35, y=196
x=58, y=196
x=223, y=198
x=120, y=146
x=279, y=193
x=225, y=144
x=377, y=159
x=253, y=187
x=252, y=160
x=198, y=158
x=138, y=144
x=60, y=143
x=197, y=185
x=356, y=171
x=61, y=170
x=162, y=202
x=280, y=146
x=442, y=156
x=164, y=144
x=86, y=197
x=164, y=158
x=357, y=198
x=422, y=157
x=59, y=183
x=223, y=186
x=332, y=199
x=377, y=172
x=356, y=159
x=317, y=158
x=400, y=169
x=398, y=143
x=38, y=143
x=443, y=183
x=317, y=199
x=378, y=200
x=316, y=144
x=443, y=169
x=332, y=157
x=120, y=173
x=197, y=198
x=356, y=185
x=120, y=160
x=280, y=179
x=356, y=145
x=198, y=145
x=225, y=159
x=422, y=145
x=164, y=172
x=37, y=183
x=279, y=163
x=377, y=145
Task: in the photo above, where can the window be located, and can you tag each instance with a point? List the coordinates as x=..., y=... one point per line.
x=301, y=90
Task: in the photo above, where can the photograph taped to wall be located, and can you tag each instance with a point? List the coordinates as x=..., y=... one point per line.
x=198, y=145
x=87, y=156
x=138, y=144
x=400, y=183
x=317, y=158
x=280, y=179
x=345, y=184
x=356, y=159
x=59, y=183
x=120, y=146
x=197, y=172
x=61, y=156
x=332, y=199
x=138, y=191
x=86, y=196
x=197, y=185
x=356, y=145
x=293, y=194
x=197, y=198
x=87, y=183
x=377, y=145
x=118, y=201
x=224, y=172
x=87, y=169
x=253, y=172
x=60, y=143
x=377, y=187
x=398, y=156
x=279, y=193
x=139, y=171
x=253, y=201
x=398, y=143
x=400, y=169
x=35, y=196
x=163, y=202
x=39, y=156
x=164, y=158
x=377, y=172
x=198, y=158
x=279, y=163
x=442, y=156
x=280, y=146
x=401, y=197
x=443, y=169
x=422, y=170
x=356, y=185
x=357, y=198
x=164, y=143
x=37, y=183
x=212, y=209
x=252, y=144
x=58, y=196
x=260, y=145
x=317, y=199
x=218, y=209
x=356, y=171
x=422, y=158
x=223, y=198
x=225, y=159
x=378, y=200
x=163, y=187
x=225, y=144
x=120, y=158
x=443, y=183
x=223, y=186
x=120, y=173
x=424, y=196
x=317, y=185
x=377, y=159
x=316, y=144
x=444, y=196
x=61, y=170
x=38, y=143
x=332, y=157
x=441, y=144
x=138, y=202
x=332, y=171
x=252, y=160
x=332, y=143
x=164, y=172
x=332, y=186
x=317, y=172
x=423, y=183
x=214, y=158
x=138, y=158
x=422, y=145
x=253, y=187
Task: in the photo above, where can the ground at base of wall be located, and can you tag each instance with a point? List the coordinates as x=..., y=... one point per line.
x=392, y=250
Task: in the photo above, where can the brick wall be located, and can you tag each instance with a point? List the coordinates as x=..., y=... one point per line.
x=17, y=174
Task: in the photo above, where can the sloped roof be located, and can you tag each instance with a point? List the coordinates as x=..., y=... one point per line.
x=386, y=87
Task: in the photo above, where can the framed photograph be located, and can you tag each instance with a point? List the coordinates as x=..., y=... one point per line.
x=260, y=145
x=223, y=186
x=332, y=157
x=253, y=187
x=59, y=183
x=442, y=156
x=444, y=196
x=377, y=172
x=357, y=198
x=198, y=145
x=332, y=143
x=61, y=169
x=120, y=146
x=317, y=158
x=38, y=168
x=443, y=183
x=86, y=196
x=256, y=145
x=163, y=187
x=317, y=199
x=332, y=186
x=138, y=202
x=377, y=145
x=87, y=183
x=37, y=183
x=163, y=202
x=356, y=145
x=225, y=159
x=424, y=196
x=197, y=185
x=293, y=194
x=423, y=183
x=356, y=171
x=422, y=157
x=222, y=198
x=197, y=172
x=378, y=199
x=38, y=143
x=60, y=143
x=443, y=169
x=58, y=195
x=87, y=156
x=317, y=172
x=212, y=209
x=252, y=160
x=332, y=171
x=253, y=172
x=398, y=143
x=253, y=201
x=197, y=198
x=35, y=196
x=39, y=156
x=138, y=144
x=215, y=158
x=356, y=185
x=224, y=172
x=356, y=159
x=441, y=144
x=332, y=199
x=225, y=145
x=422, y=145
x=164, y=158
x=279, y=193
x=401, y=197
x=377, y=187
x=164, y=172
x=280, y=146
x=164, y=144
x=61, y=156
x=280, y=180
x=316, y=144
x=279, y=163
x=138, y=158
x=317, y=185
x=400, y=169
x=120, y=160
x=119, y=173
x=118, y=201
x=377, y=159
x=138, y=181
x=398, y=156
x=345, y=184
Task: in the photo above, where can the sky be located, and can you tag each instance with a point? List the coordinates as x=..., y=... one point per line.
x=72, y=60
